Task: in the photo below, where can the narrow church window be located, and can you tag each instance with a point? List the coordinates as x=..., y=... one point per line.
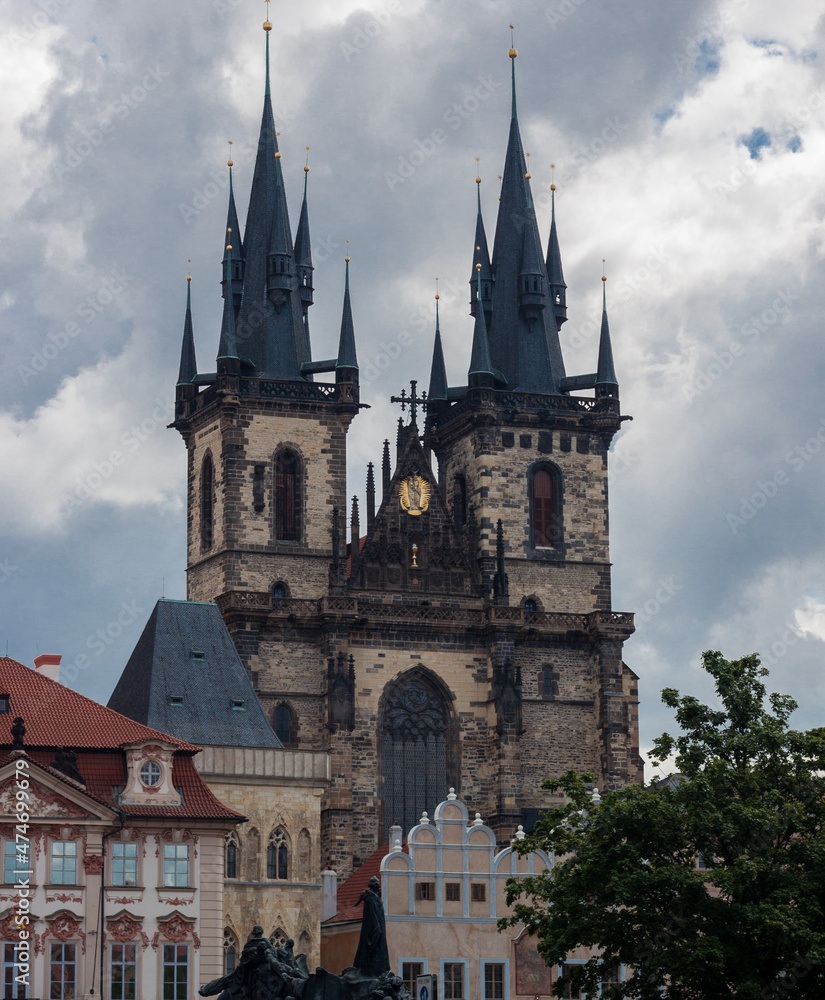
x=277, y=855
x=283, y=724
x=279, y=595
x=230, y=948
x=207, y=502
x=530, y=606
x=460, y=501
x=546, y=507
x=287, y=496
x=550, y=684
x=231, y=857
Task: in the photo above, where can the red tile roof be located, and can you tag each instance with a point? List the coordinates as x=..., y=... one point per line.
x=56, y=716
x=350, y=890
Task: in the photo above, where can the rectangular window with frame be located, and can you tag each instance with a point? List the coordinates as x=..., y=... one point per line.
x=410, y=971
x=494, y=981
x=62, y=971
x=453, y=981
x=425, y=890
x=570, y=992
x=478, y=892
x=10, y=865
x=64, y=862
x=17, y=991
x=453, y=892
x=124, y=864
x=175, y=865
x=175, y=972
x=123, y=972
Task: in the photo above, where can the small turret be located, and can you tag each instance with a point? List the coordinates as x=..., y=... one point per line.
x=532, y=296
x=386, y=470
x=558, y=288
x=481, y=255
x=188, y=364
x=606, y=384
x=280, y=260
x=370, y=496
x=438, y=372
x=303, y=250
x=228, y=361
x=346, y=367
x=232, y=278
x=480, y=372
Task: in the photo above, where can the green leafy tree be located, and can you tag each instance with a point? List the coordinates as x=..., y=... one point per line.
x=709, y=885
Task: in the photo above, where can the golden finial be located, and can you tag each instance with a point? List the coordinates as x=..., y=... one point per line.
x=513, y=50
x=528, y=175
x=189, y=275
x=306, y=165
x=347, y=256
x=478, y=267
x=604, y=270
x=478, y=176
x=229, y=162
x=437, y=296
x=267, y=22
x=552, y=176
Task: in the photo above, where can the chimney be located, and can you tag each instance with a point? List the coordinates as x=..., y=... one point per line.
x=396, y=836
x=329, y=879
x=48, y=665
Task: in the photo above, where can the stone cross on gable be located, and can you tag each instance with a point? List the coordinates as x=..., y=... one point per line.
x=413, y=400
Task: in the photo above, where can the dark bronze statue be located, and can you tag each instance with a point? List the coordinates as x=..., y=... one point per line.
x=263, y=973
x=372, y=957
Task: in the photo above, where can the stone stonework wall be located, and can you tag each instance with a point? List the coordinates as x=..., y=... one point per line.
x=274, y=789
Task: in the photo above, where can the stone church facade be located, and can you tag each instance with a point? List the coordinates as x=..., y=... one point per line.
x=458, y=630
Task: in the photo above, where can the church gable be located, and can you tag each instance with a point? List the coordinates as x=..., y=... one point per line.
x=412, y=546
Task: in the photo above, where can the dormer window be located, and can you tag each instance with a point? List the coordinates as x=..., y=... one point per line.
x=150, y=774
x=238, y=705
x=197, y=654
x=176, y=700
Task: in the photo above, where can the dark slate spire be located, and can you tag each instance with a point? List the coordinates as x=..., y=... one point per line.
x=386, y=470
x=481, y=369
x=558, y=288
x=438, y=371
x=523, y=346
x=303, y=250
x=533, y=276
x=228, y=361
x=270, y=329
x=481, y=255
x=233, y=276
x=188, y=364
x=346, y=368
x=606, y=383
x=370, y=495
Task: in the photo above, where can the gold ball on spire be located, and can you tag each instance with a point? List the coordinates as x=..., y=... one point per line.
x=230, y=163
x=513, y=54
x=478, y=267
x=478, y=180
x=528, y=175
x=552, y=187
x=278, y=155
x=228, y=246
x=604, y=277
x=267, y=26
x=306, y=168
x=188, y=277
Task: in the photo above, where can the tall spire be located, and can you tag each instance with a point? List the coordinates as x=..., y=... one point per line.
x=481, y=255
x=303, y=250
x=228, y=361
x=270, y=328
x=524, y=345
x=606, y=383
x=233, y=277
x=555, y=275
x=438, y=371
x=188, y=365
x=346, y=368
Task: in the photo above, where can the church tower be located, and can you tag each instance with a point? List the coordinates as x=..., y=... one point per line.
x=455, y=630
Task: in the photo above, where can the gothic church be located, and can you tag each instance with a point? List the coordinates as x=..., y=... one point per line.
x=459, y=630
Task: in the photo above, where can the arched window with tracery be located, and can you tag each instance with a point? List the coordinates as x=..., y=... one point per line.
x=546, y=507
x=285, y=725
x=277, y=855
x=231, y=856
x=278, y=938
x=419, y=754
x=287, y=496
x=230, y=951
x=207, y=502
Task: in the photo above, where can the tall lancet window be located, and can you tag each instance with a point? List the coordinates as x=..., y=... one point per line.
x=287, y=496
x=419, y=752
x=546, y=507
x=207, y=503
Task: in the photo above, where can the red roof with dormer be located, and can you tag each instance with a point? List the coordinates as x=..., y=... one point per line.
x=56, y=717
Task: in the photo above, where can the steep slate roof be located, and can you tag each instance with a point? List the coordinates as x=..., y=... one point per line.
x=188, y=365
x=162, y=665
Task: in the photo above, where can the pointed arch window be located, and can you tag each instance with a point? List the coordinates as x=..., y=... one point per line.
x=284, y=725
x=287, y=496
x=230, y=951
x=546, y=507
x=549, y=683
x=419, y=751
x=231, y=856
x=277, y=855
x=207, y=502
x=460, y=500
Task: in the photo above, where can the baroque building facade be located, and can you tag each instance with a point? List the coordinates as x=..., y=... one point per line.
x=466, y=636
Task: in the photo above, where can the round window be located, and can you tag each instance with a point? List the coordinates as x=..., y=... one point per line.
x=150, y=774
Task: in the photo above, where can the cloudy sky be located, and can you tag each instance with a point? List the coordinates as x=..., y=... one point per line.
x=689, y=143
